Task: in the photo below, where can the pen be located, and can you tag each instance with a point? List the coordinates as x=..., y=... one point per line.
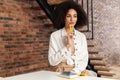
x=71, y=28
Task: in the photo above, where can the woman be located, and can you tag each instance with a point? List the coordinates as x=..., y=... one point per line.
x=68, y=47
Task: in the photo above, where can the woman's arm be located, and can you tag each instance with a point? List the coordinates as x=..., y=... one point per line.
x=55, y=54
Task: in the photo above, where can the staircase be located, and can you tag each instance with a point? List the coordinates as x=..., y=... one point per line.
x=97, y=62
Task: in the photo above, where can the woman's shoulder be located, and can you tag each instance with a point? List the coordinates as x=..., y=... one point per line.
x=55, y=33
x=80, y=33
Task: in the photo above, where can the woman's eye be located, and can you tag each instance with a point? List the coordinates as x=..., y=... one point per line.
x=68, y=16
x=75, y=16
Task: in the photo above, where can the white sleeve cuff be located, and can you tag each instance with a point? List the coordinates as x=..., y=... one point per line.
x=76, y=71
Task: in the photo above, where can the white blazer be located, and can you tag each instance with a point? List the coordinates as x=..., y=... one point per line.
x=57, y=50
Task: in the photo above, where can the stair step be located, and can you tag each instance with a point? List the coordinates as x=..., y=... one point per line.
x=48, y=24
x=97, y=62
x=101, y=68
x=38, y=26
x=90, y=45
x=105, y=73
x=35, y=8
x=89, y=38
x=40, y=17
x=95, y=58
x=84, y=31
x=53, y=2
x=93, y=52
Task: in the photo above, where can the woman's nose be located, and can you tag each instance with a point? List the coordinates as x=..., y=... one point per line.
x=71, y=18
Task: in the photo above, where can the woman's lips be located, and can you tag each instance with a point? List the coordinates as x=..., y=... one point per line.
x=71, y=22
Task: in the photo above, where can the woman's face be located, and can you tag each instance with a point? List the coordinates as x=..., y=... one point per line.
x=71, y=18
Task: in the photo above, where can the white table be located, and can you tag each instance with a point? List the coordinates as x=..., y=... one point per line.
x=1, y=78
x=48, y=75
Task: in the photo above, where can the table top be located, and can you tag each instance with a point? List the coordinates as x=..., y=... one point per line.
x=48, y=75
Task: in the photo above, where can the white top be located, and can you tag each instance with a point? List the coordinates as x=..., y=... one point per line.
x=48, y=75
x=57, y=49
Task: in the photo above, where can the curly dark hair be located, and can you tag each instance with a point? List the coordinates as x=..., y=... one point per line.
x=61, y=10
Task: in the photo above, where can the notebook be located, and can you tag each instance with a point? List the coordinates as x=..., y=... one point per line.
x=68, y=74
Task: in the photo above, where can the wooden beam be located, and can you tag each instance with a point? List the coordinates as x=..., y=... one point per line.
x=95, y=58
x=101, y=68
x=105, y=73
x=97, y=62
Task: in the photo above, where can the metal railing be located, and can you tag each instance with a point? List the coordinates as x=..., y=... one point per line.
x=89, y=3
x=46, y=7
x=92, y=19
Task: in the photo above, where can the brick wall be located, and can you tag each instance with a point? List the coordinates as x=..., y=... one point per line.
x=23, y=40
x=107, y=30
